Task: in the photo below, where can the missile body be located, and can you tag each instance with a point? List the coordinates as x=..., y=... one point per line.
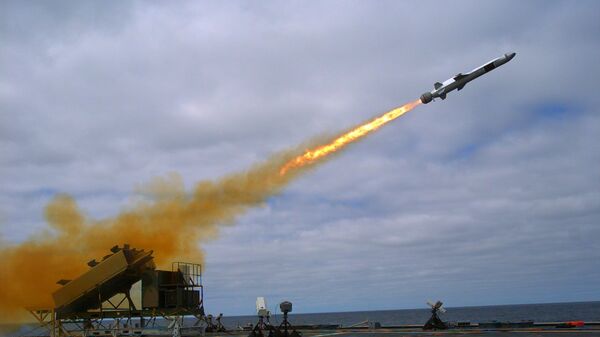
x=460, y=80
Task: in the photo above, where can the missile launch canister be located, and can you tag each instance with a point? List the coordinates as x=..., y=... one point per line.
x=460, y=80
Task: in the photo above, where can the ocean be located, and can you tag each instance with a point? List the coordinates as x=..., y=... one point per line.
x=551, y=312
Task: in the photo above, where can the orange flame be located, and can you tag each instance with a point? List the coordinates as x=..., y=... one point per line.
x=358, y=132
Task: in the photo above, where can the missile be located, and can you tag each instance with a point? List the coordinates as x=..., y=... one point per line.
x=460, y=80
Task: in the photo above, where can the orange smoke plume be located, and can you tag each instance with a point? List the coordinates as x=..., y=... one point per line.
x=172, y=223
x=310, y=156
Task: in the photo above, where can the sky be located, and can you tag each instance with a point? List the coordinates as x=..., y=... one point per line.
x=489, y=197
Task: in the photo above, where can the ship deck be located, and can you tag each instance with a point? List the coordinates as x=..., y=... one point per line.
x=453, y=332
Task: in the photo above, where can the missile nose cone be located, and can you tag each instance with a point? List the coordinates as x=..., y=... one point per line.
x=510, y=56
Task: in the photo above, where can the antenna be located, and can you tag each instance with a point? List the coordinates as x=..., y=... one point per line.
x=261, y=308
x=263, y=314
x=434, y=322
x=284, y=329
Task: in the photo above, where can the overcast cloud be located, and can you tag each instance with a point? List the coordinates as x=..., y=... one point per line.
x=490, y=197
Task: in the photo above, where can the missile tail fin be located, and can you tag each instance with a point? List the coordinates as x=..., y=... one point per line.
x=437, y=85
x=443, y=96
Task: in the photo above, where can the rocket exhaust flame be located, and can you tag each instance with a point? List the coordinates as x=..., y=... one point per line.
x=310, y=156
x=172, y=223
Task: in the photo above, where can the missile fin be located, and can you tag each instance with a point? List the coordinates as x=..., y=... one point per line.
x=443, y=96
x=461, y=86
x=459, y=76
x=437, y=85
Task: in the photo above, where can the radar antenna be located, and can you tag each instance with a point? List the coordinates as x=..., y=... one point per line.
x=434, y=322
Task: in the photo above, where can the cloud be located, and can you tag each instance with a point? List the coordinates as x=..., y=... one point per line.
x=479, y=199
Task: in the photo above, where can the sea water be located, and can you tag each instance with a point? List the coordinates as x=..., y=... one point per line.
x=551, y=312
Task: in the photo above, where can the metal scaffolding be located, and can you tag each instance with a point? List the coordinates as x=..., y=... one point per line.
x=99, y=302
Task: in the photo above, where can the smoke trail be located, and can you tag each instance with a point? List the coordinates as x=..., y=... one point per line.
x=172, y=225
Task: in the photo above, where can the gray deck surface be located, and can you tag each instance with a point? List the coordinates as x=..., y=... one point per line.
x=448, y=333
